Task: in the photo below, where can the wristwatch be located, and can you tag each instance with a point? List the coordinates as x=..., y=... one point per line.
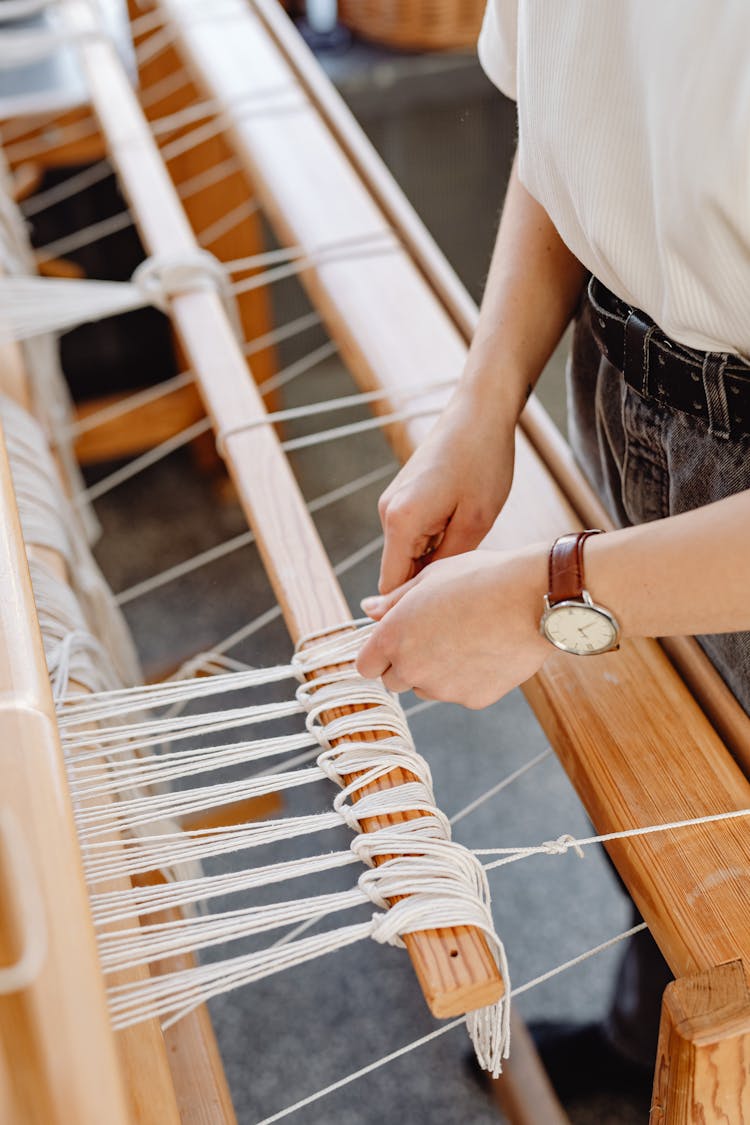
x=572, y=621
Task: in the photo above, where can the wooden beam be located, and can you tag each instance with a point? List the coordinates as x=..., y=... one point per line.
x=146, y=1069
x=53, y=1029
x=523, y=1091
x=299, y=570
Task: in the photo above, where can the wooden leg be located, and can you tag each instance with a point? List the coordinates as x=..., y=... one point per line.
x=131, y=433
x=703, y=1058
x=523, y=1092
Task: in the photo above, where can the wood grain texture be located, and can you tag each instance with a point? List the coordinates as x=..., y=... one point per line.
x=703, y=1058
x=467, y=978
x=293, y=555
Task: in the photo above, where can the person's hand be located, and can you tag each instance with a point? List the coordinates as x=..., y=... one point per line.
x=449, y=493
x=464, y=630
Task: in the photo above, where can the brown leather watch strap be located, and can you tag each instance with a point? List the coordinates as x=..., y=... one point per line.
x=566, y=566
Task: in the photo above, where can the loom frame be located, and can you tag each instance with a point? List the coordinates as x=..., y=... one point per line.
x=710, y=951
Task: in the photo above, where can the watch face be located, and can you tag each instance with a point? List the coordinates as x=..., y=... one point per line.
x=582, y=629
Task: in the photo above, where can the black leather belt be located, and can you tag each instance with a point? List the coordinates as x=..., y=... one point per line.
x=712, y=386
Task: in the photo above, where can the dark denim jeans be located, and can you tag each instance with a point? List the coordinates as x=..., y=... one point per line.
x=646, y=461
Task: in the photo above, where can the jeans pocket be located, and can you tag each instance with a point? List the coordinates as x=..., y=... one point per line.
x=645, y=472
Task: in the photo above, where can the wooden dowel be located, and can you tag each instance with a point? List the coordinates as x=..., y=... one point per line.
x=294, y=557
x=523, y=1091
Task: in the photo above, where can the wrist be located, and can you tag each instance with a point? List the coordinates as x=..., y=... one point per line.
x=521, y=579
x=495, y=393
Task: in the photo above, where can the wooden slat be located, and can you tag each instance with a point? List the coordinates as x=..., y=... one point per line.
x=294, y=557
x=142, y=1050
x=459, y=982
x=52, y=1030
x=632, y=738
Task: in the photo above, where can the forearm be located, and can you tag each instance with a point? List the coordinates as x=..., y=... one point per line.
x=684, y=575
x=532, y=290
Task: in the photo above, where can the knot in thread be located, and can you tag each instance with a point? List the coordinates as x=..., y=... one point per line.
x=161, y=277
x=561, y=845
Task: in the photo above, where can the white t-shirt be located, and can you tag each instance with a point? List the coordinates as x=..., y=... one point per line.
x=634, y=135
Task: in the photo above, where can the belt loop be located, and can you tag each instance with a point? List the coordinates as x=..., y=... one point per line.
x=636, y=356
x=715, y=391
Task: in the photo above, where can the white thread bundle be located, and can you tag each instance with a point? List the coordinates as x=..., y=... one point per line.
x=438, y=882
x=104, y=860
x=49, y=391
x=33, y=306
x=48, y=521
x=115, y=906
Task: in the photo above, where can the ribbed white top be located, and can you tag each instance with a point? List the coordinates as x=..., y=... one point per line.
x=634, y=135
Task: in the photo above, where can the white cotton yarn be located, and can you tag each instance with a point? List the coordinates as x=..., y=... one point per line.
x=439, y=882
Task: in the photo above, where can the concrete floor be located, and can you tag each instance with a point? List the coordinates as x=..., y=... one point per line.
x=296, y=1032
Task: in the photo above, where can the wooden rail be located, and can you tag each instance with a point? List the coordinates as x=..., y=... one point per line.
x=293, y=555
x=168, y=1078
x=51, y=1029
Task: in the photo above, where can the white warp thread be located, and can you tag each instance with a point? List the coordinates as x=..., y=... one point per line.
x=49, y=391
x=34, y=306
x=437, y=882
x=48, y=521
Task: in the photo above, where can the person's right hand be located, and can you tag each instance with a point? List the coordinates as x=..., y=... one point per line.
x=449, y=493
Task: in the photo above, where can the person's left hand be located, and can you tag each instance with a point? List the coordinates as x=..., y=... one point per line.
x=465, y=630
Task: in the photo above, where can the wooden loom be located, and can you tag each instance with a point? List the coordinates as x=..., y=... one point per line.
x=632, y=737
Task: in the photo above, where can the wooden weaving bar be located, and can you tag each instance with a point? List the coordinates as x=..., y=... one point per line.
x=294, y=558
x=54, y=1026
x=469, y=963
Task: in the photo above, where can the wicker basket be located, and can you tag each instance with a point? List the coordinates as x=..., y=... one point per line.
x=424, y=25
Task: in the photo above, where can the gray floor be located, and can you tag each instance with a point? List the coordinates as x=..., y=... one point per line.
x=296, y=1032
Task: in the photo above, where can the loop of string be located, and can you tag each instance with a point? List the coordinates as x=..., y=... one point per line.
x=435, y=881
x=344, y=403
